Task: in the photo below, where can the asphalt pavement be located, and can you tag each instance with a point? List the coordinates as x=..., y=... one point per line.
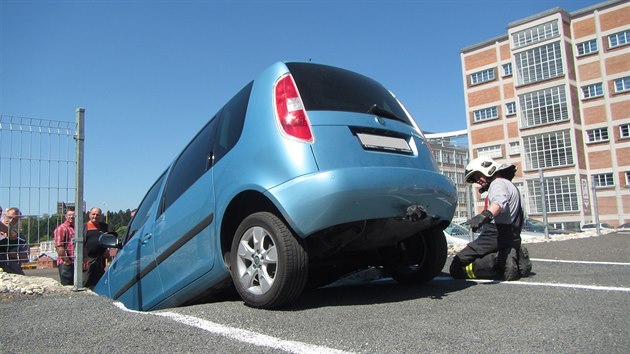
x=577, y=300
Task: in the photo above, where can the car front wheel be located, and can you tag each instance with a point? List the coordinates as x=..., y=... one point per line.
x=422, y=258
x=269, y=265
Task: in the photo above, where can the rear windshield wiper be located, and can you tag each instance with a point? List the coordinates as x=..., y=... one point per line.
x=375, y=109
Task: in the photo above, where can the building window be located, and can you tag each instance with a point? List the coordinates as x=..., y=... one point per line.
x=510, y=108
x=535, y=34
x=543, y=107
x=482, y=76
x=587, y=47
x=448, y=157
x=624, y=131
x=603, y=180
x=548, y=150
x=594, y=90
x=622, y=84
x=450, y=175
x=540, y=63
x=486, y=114
x=438, y=156
x=507, y=69
x=493, y=151
x=618, y=39
x=560, y=195
x=597, y=135
x=458, y=159
x=627, y=178
x=515, y=148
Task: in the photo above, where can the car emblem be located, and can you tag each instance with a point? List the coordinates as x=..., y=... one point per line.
x=380, y=120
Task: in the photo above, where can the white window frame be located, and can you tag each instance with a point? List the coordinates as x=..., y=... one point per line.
x=548, y=150
x=510, y=108
x=597, y=135
x=482, y=115
x=539, y=63
x=482, y=76
x=592, y=91
x=507, y=69
x=543, y=106
x=619, y=39
x=604, y=180
x=437, y=154
x=535, y=34
x=622, y=84
x=624, y=131
x=587, y=47
x=492, y=151
x=514, y=148
x=560, y=195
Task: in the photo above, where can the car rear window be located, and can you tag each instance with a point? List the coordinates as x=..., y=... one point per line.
x=327, y=88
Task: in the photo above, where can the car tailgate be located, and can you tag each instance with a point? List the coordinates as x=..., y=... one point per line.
x=346, y=139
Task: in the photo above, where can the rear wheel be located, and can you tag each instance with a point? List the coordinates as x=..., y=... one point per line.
x=422, y=258
x=269, y=265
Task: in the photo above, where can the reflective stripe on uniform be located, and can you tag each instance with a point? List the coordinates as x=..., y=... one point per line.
x=469, y=271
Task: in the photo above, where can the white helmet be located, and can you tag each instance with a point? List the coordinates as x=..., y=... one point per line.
x=483, y=165
x=488, y=167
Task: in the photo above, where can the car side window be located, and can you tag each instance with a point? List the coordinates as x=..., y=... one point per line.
x=191, y=164
x=232, y=118
x=144, y=210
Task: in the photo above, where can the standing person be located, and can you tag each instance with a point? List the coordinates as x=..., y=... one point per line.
x=497, y=252
x=13, y=249
x=64, y=243
x=95, y=255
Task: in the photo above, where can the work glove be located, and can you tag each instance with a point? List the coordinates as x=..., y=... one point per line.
x=476, y=221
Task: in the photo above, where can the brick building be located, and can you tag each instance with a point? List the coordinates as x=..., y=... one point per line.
x=553, y=97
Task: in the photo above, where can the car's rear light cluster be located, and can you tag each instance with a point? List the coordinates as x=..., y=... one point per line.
x=290, y=110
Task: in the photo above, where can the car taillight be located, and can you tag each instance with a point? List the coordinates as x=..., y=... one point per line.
x=290, y=110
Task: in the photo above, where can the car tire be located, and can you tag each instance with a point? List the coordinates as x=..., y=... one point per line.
x=422, y=258
x=269, y=266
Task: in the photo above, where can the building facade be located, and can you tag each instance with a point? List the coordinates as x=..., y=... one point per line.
x=451, y=156
x=552, y=96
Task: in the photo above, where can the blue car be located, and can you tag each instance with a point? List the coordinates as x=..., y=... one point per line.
x=306, y=174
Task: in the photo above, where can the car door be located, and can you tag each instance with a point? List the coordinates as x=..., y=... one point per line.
x=186, y=235
x=183, y=231
x=133, y=277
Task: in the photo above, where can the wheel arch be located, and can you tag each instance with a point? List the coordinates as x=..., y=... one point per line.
x=242, y=205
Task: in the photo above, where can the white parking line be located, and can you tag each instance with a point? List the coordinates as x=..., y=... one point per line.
x=241, y=335
x=556, y=285
x=578, y=262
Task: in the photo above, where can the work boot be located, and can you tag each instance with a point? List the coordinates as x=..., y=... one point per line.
x=511, y=271
x=524, y=264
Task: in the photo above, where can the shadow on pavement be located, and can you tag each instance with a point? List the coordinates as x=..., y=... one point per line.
x=385, y=290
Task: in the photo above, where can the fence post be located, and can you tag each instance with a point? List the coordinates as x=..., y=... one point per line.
x=470, y=208
x=543, y=196
x=78, y=202
x=596, y=207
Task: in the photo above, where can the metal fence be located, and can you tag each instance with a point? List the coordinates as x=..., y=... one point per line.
x=41, y=174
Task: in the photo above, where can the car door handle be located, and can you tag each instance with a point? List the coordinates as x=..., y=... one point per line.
x=146, y=238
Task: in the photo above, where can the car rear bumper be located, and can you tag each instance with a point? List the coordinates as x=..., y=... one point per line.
x=317, y=201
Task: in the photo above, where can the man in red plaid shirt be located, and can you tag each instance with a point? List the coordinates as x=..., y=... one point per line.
x=64, y=235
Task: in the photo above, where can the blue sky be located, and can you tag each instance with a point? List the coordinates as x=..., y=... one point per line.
x=150, y=73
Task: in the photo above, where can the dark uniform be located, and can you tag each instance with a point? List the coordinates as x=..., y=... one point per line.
x=94, y=261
